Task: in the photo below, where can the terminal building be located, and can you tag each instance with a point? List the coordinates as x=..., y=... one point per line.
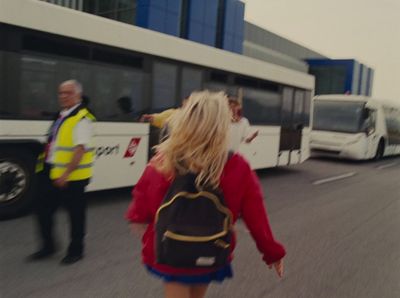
x=221, y=24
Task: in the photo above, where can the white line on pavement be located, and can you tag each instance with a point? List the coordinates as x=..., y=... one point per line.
x=334, y=178
x=388, y=165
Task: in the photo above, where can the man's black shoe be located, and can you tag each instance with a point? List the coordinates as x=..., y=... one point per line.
x=44, y=253
x=71, y=259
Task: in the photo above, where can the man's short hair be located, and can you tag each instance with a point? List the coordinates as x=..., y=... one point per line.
x=77, y=85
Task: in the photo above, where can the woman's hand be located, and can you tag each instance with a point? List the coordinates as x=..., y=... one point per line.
x=278, y=267
x=138, y=229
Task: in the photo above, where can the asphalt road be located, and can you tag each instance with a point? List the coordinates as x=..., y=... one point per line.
x=342, y=238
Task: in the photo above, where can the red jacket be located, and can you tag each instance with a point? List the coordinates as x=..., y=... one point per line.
x=243, y=196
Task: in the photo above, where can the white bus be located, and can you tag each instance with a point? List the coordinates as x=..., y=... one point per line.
x=127, y=71
x=355, y=127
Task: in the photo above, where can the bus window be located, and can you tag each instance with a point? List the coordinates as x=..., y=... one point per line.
x=192, y=79
x=307, y=106
x=164, y=86
x=298, y=108
x=115, y=92
x=287, y=106
x=262, y=106
x=38, y=87
x=216, y=87
x=338, y=116
x=2, y=79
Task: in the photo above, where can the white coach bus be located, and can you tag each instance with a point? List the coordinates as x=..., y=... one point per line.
x=355, y=127
x=127, y=71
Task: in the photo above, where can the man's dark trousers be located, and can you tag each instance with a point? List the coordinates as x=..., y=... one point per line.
x=49, y=199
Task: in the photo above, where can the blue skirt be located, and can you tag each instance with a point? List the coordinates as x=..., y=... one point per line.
x=218, y=276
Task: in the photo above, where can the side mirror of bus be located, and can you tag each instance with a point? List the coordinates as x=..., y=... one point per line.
x=369, y=130
x=366, y=113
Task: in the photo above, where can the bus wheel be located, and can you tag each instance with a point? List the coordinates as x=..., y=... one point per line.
x=380, y=150
x=16, y=182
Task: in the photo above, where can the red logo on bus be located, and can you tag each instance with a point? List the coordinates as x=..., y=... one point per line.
x=132, y=147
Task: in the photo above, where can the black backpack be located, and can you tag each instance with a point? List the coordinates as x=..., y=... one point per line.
x=193, y=228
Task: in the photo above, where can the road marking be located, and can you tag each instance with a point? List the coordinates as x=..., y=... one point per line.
x=334, y=178
x=388, y=165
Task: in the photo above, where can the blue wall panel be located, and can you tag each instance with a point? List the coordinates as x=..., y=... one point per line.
x=228, y=42
x=358, y=78
x=172, y=24
x=161, y=4
x=229, y=25
x=349, y=75
x=143, y=2
x=196, y=10
x=237, y=45
x=161, y=16
x=195, y=31
x=165, y=16
x=229, y=22
x=233, y=26
x=209, y=36
x=157, y=18
x=142, y=13
x=239, y=16
x=174, y=6
x=210, y=12
x=202, y=17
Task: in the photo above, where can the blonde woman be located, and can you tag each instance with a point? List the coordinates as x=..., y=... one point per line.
x=198, y=144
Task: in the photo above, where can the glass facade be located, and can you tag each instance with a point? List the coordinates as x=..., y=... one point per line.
x=120, y=10
x=217, y=23
x=329, y=79
x=341, y=76
x=74, y=4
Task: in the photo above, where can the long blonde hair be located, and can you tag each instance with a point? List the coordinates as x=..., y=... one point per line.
x=198, y=140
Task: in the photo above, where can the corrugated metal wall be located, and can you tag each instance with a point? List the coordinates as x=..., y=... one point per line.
x=267, y=46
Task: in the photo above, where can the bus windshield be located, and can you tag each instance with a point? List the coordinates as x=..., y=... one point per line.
x=341, y=116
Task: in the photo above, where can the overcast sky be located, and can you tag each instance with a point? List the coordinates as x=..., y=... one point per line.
x=366, y=30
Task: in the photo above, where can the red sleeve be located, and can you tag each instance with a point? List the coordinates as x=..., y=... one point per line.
x=255, y=216
x=138, y=210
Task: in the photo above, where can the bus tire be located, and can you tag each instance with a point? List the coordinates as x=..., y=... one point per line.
x=17, y=182
x=380, y=150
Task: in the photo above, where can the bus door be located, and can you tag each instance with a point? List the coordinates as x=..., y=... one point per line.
x=291, y=126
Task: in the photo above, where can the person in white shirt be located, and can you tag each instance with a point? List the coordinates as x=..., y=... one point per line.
x=240, y=130
x=64, y=170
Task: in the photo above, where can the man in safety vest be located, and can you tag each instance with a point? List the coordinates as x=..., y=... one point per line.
x=64, y=169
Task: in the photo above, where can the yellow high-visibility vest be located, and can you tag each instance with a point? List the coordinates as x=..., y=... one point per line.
x=64, y=149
